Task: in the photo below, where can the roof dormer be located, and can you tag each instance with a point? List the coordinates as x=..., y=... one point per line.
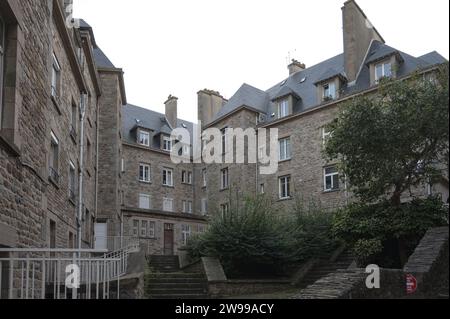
x=384, y=65
x=284, y=101
x=329, y=86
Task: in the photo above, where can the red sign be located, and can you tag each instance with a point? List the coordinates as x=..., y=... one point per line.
x=411, y=284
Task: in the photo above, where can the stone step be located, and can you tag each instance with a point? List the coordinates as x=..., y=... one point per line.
x=175, y=275
x=175, y=280
x=175, y=285
x=177, y=291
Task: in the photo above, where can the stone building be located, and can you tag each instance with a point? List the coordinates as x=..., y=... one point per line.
x=108, y=176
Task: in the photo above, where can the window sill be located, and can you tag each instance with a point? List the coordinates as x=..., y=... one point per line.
x=145, y=182
x=285, y=161
x=54, y=182
x=56, y=103
x=169, y=186
x=224, y=189
x=187, y=184
x=72, y=201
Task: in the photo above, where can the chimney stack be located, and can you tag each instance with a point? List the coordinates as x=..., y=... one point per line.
x=358, y=35
x=209, y=104
x=295, y=67
x=172, y=110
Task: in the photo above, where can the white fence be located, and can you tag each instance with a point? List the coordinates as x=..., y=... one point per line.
x=62, y=273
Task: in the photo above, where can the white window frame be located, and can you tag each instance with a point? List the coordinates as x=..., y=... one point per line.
x=283, y=108
x=56, y=73
x=143, y=231
x=146, y=177
x=224, y=179
x=224, y=209
x=144, y=138
x=54, y=147
x=122, y=165
x=285, y=149
x=151, y=229
x=168, y=177
x=72, y=178
x=204, y=206
x=262, y=188
x=187, y=206
x=185, y=233
x=224, y=139
x=167, y=204
x=145, y=197
x=331, y=176
x=329, y=91
x=384, y=74
x=326, y=135
x=284, y=185
x=167, y=143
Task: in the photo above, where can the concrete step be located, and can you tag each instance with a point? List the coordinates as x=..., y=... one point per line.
x=175, y=281
x=183, y=296
x=176, y=275
x=177, y=291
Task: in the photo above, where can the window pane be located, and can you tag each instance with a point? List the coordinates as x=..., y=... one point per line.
x=378, y=71
x=331, y=170
x=336, y=181
x=387, y=70
x=328, y=183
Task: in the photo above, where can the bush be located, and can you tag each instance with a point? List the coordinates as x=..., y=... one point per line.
x=375, y=232
x=253, y=240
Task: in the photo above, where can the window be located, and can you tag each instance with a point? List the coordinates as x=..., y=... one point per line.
x=187, y=207
x=144, y=138
x=224, y=209
x=72, y=181
x=56, y=74
x=185, y=233
x=262, y=188
x=135, y=228
x=151, y=229
x=285, y=187
x=144, y=173
x=167, y=144
x=224, y=179
x=331, y=178
x=144, y=228
x=168, y=177
x=285, y=149
x=74, y=120
x=144, y=201
x=224, y=140
x=186, y=177
x=88, y=151
x=122, y=165
x=283, y=108
x=383, y=70
x=54, y=158
x=329, y=91
x=204, y=177
x=204, y=206
x=168, y=204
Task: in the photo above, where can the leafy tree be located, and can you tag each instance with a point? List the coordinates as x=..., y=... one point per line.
x=392, y=140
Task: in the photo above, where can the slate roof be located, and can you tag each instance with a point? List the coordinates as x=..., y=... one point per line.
x=101, y=60
x=134, y=117
x=303, y=84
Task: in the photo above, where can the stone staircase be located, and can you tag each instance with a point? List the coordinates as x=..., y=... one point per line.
x=164, y=280
x=325, y=268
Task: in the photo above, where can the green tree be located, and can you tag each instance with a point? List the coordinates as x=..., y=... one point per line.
x=394, y=139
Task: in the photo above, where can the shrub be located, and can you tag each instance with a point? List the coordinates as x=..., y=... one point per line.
x=375, y=232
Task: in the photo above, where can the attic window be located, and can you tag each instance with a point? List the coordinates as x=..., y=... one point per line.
x=144, y=138
x=283, y=108
x=383, y=70
x=329, y=91
x=184, y=125
x=303, y=80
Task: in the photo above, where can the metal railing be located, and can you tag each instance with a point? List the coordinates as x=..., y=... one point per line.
x=62, y=273
x=115, y=243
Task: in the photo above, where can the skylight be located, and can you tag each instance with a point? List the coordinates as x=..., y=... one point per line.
x=303, y=80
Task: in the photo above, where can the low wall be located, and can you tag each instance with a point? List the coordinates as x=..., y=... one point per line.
x=429, y=264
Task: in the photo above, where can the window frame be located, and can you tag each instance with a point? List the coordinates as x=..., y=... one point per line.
x=139, y=138
x=224, y=140
x=166, y=143
x=283, y=108
x=332, y=94
x=383, y=75
x=148, y=197
x=135, y=229
x=142, y=178
x=224, y=209
x=332, y=176
x=186, y=232
x=284, y=145
x=204, y=206
x=204, y=178
x=284, y=188
x=56, y=77
x=166, y=173
x=54, y=158
x=165, y=201
x=72, y=180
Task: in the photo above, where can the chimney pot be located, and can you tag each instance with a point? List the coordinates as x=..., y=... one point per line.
x=295, y=67
x=172, y=110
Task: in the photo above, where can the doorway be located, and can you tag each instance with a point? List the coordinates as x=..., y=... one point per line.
x=168, y=239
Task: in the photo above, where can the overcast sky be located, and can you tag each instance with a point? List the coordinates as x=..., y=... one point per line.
x=179, y=47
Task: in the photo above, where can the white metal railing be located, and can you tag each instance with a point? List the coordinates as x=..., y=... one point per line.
x=45, y=273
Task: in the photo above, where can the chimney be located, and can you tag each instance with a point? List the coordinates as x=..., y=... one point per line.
x=209, y=104
x=172, y=110
x=295, y=67
x=358, y=35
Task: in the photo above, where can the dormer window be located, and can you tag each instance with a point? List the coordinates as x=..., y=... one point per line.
x=166, y=144
x=283, y=108
x=329, y=91
x=144, y=138
x=383, y=70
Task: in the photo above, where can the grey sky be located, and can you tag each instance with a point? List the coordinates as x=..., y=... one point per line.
x=179, y=47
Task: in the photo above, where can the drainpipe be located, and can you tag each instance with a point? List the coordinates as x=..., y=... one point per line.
x=80, y=179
